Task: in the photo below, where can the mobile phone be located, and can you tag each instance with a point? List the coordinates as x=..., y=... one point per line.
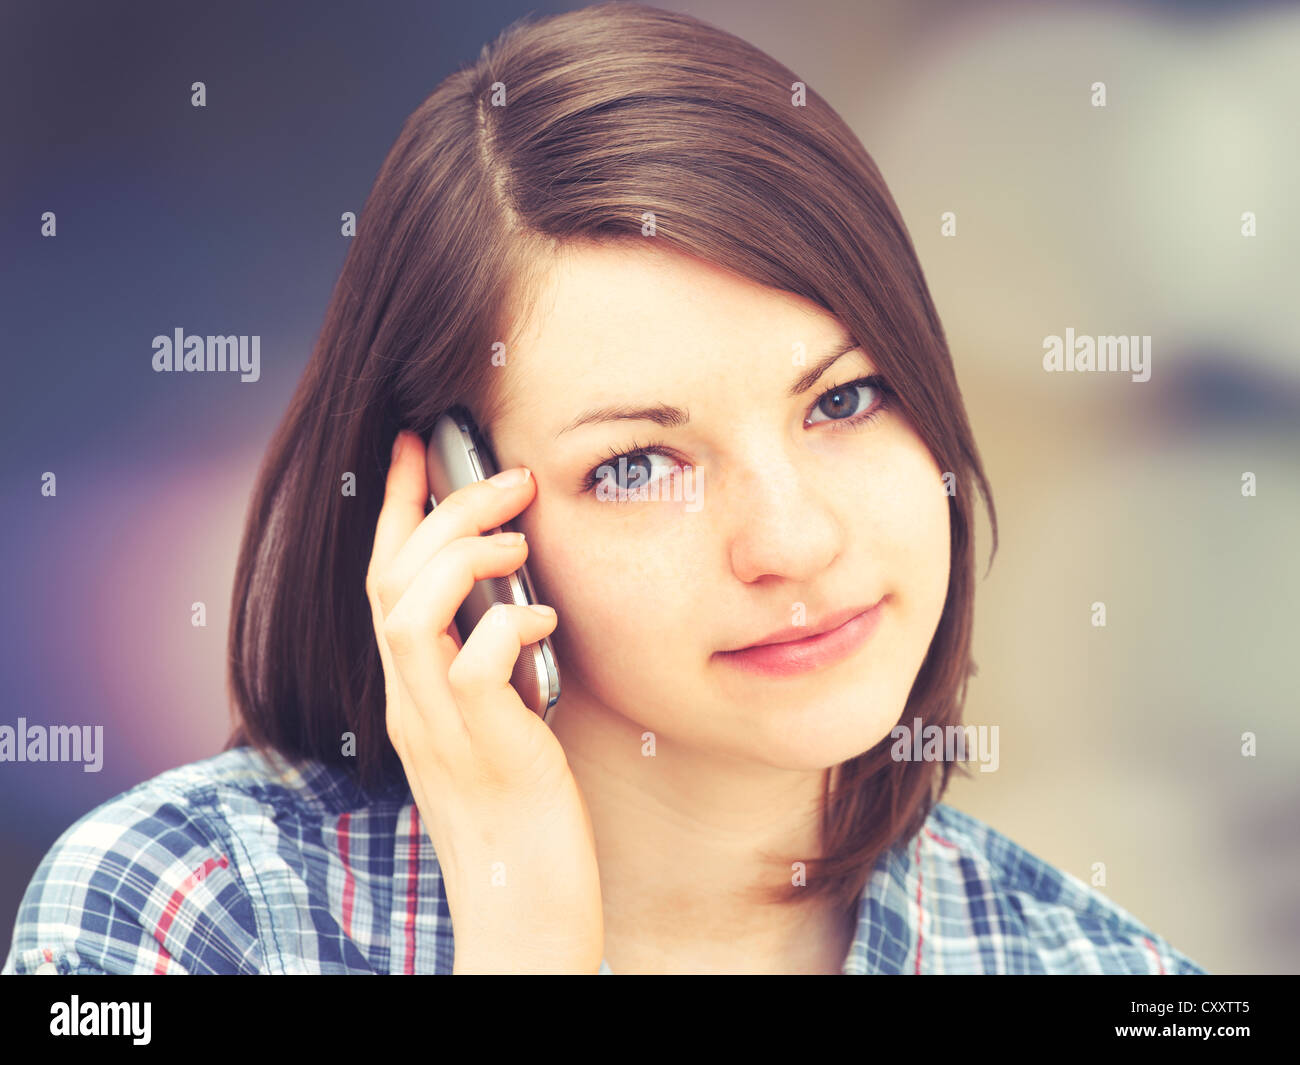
x=457, y=455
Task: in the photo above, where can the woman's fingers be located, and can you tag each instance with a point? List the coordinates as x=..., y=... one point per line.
x=440, y=688
x=402, y=510
x=468, y=511
x=479, y=676
x=416, y=627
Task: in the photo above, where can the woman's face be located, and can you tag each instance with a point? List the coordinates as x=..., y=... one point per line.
x=792, y=514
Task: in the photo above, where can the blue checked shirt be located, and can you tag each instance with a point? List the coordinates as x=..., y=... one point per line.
x=228, y=866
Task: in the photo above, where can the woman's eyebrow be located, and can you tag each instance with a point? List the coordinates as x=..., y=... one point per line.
x=670, y=417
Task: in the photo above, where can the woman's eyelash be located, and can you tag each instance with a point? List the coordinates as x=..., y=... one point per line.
x=855, y=421
x=652, y=447
x=858, y=420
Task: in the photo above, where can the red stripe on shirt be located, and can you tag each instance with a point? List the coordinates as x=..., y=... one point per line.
x=1156, y=953
x=174, y=904
x=920, y=913
x=163, y=958
x=412, y=880
x=349, y=884
x=940, y=839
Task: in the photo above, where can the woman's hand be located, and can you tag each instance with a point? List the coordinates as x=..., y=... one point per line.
x=506, y=818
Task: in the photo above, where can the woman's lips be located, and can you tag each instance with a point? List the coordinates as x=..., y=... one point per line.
x=799, y=656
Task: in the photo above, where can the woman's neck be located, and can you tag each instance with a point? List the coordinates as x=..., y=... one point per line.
x=686, y=845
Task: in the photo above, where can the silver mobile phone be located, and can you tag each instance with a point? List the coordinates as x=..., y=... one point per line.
x=457, y=455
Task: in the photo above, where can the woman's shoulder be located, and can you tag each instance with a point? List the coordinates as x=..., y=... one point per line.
x=245, y=775
x=157, y=879
x=1028, y=915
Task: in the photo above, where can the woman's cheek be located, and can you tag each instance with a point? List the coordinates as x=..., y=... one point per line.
x=924, y=533
x=570, y=571
x=559, y=568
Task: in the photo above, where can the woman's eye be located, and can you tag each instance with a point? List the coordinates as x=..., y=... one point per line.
x=842, y=402
x=623, y=476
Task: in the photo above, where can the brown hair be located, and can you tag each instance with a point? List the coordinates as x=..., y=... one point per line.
x=610, y=112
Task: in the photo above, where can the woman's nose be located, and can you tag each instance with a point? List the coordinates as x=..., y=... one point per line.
x=780, y=522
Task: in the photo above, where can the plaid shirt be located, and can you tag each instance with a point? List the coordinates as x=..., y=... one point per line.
x=225, y=866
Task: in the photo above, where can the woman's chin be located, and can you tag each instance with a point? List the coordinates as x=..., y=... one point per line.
x=820, y=733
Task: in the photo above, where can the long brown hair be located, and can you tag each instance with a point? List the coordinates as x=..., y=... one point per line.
x=571, y=128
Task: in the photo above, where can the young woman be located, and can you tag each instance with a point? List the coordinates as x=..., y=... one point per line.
x=643, y=255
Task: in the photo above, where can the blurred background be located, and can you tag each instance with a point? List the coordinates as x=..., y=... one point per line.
x=1118, y=745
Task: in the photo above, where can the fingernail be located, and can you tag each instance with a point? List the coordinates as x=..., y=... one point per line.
x=509, y=539
x=397, y=446
x=542, y=608
x=509, y=478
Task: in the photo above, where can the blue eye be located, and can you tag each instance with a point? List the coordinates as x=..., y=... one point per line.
x=841, y=403
x=631, y=470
